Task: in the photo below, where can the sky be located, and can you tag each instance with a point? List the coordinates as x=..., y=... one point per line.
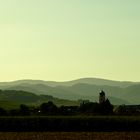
x=63, y=40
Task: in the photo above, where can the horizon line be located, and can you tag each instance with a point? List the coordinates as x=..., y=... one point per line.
x=67, y=80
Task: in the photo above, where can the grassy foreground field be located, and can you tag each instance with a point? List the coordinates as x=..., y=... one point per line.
x=70, y=136
x=70, y=124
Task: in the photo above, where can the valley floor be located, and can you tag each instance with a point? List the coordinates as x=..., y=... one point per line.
x=70, y=136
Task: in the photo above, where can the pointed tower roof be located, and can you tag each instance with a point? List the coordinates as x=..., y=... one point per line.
x=102, y=93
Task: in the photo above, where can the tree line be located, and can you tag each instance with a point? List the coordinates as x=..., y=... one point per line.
x=49, y=108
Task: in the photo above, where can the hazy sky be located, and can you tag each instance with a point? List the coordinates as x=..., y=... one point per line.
x=68, y=39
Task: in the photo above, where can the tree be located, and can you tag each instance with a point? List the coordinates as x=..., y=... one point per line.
x=121, y=110
x=48, y=108
x=24, y=110
x=3, y=112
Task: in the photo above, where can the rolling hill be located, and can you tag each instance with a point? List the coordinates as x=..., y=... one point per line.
x=93, y=81
x=86, y=88
x=13, y=98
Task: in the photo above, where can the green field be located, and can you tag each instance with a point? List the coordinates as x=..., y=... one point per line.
x=70, y=136
x=70, y=124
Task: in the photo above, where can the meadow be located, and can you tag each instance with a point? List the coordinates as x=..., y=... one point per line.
x=70, y=124
x=70, y=136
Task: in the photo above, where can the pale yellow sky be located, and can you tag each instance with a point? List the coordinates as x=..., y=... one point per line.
x=69, y=39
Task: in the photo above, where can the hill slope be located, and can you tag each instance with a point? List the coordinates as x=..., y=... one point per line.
x=86, y=88
x=13, y=98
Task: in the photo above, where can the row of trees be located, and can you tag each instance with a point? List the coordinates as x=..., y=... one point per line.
x=50, y=108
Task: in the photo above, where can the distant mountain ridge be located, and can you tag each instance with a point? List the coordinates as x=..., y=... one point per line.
x=85, y=88
x=93, y=81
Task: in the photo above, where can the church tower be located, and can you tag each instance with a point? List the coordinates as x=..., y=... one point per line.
x=101, y=97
